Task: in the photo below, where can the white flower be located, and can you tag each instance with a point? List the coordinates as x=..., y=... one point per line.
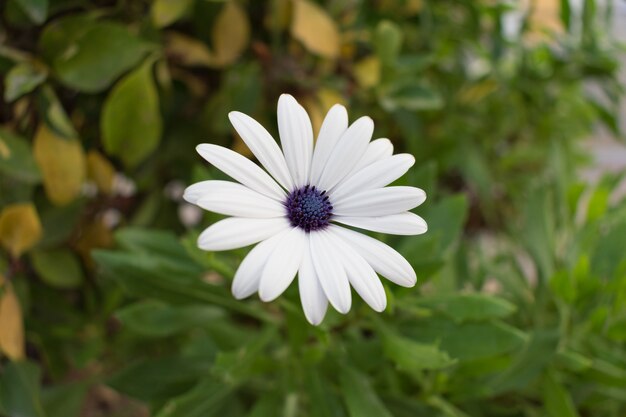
x=296, y=206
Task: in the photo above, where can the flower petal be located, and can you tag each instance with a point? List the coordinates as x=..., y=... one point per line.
x=232, y=199
x=263, y=146
x=334, y=125
x=350, y=148
x=384, y=259
x=406, y=223
x=376, y=150
x=248, y=275
x=237, y=232
x=241, y=169
x=296, y=137
x=375, y=175
x=312, y=297
x=330, y=271
x=282, y=265
x=361, y=275
x=379, y=202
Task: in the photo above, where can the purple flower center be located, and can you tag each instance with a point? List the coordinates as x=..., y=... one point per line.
x=308, y=208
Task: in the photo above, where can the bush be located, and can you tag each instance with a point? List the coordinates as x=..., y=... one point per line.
x=520, y=308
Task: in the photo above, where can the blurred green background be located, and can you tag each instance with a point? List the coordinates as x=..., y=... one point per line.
x=107, y=308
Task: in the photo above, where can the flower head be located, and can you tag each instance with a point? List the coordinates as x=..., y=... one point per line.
x=298, y=205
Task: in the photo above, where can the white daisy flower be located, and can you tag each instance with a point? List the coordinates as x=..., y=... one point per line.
x=297, y=206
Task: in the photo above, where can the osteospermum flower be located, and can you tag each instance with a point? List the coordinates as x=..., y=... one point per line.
x=298, y=206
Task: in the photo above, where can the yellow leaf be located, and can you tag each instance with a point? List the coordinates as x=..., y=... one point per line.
x=367, y=72
x=100, y=171
x=11, y=323
x=187, y=50
x=20, y=228
x=5, y=152
x=317, y=106
x=166, y=12
x=231, y=34
x=312, y=26
x=62, y=163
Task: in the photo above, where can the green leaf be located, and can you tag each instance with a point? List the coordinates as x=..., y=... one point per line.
x=412, y=356
x=409, y=95
x=59, y=268
x=204, y=400
x=131, y=119
x=324, y=401
x=387, y=41
x=22, y=79
x=19, y=390
x=54, y=115
x=359, y=395
x=16, y=159
x=557, y=400
x=157, y=319
x=166, y=12
x=529, y=364
x=88, y=55
x=64, y=400
x=36, y=10
x=468, y=307
x=175, y=376
x=468, y=341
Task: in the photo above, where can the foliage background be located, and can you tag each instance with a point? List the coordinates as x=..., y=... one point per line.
x=108, y=309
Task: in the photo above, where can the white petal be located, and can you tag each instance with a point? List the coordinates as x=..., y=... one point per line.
x=314, y=302
x=379, y=202
x=406, y=223
x=237, y=232
x=350, y=148
x=376, y=150
x=384, y=259
x=282, y=265
x=375, y=175
x=263, y=146
x=233, y=199
x=248, y=275
x=361, y=275
x=334, y=125
x=296, y=136
x=330, y=271
x=241, y=169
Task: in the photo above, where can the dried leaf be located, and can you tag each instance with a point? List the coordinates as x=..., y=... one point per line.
x=312, y=26
x=100, y=171
x=20, y=228
x=231, y=34
x=11, y=323
x=166, y=12
x=187, y=50
x=62, y=163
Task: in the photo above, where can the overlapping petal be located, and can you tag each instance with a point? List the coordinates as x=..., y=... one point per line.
x=296, y=137
x=233, y=199
x=406, y=223
x=379, y=202
x=241, y=169
x=383, y=258
x=312, y=297
x=334, y=125
x=263, y=146
x=237, y=232
x=330, y=270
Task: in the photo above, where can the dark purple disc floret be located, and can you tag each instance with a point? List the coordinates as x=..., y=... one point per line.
x=308, y=208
